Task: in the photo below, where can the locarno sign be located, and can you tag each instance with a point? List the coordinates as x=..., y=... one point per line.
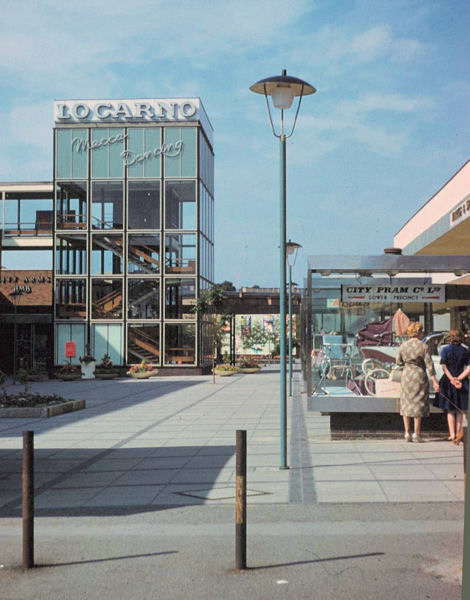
x=133, y=111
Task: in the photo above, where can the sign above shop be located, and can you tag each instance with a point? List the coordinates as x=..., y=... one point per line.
x=460, y=213
x=393, y=293
x=121, y=111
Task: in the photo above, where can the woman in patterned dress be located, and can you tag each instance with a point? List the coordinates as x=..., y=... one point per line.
x=453, y=386
x=414, y=356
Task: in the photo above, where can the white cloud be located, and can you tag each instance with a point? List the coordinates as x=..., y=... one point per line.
x=386, y=102
x=91, y=37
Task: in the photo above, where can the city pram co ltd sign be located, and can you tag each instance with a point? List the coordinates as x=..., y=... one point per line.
x=393, y=293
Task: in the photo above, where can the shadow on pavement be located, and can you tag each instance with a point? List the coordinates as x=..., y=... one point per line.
x=100, y=560
x=317, y=560
x=115, y=481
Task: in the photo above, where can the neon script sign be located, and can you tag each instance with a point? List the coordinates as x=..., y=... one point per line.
x=129, y=157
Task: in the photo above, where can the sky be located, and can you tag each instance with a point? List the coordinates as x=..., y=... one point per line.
x=388, y=126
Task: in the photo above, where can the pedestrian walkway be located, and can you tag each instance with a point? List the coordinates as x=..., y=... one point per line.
x=170, y=442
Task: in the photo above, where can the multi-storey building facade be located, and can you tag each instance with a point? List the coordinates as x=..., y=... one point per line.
x=133, y=229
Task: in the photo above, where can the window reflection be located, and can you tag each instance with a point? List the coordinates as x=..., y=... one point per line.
x=71, y=254
x=107, y=298
x=143, y=253
x=180, y=297
x=180, y=205
x=180, y=344
x=71, y=205
x=143, y=343
x=143, y=299
x=107, y=202
x=106, y=256
x=180, y=253
x=144, y=205
x=70, y=298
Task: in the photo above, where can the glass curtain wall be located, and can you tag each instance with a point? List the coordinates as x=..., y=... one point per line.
x=134, y=241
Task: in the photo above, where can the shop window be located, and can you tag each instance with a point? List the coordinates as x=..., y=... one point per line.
x=143, y=156
x=107, y=338
x=71, y=254
x=71, y=153
x=180, y=344
x=180, y=253
x=71, y=204
x=143, y=205
x=106, y=255
x=180, y=297
x=106, y=298
x=70, y=299
x=180, y=205
x=143, y=343
x=143, y=253
x=107, y=146
x=182, y=162
x=65, y=332
x=143, y=298
x=107, y=205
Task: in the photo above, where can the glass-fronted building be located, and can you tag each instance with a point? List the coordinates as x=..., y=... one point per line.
x=133, y=229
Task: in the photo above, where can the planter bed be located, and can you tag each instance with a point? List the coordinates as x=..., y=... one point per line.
x=143, y=374
x=34, y=406
x=107, y=375
x=224, y=373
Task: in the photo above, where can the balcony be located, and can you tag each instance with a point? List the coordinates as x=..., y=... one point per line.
x=26, y=218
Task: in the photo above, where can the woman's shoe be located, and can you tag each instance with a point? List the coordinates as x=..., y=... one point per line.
x=407, y=437
x=416, y=438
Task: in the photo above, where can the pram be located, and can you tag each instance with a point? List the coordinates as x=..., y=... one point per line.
x=376, y=344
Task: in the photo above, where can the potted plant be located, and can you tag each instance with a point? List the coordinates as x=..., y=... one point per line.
x=88, y=364
x=226, y=370
x=69, y=372
x=105, y=370
x=143, y=370
x=248, y=365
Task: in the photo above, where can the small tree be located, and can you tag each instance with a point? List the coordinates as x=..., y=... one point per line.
x=256, y=337
x=259, y=336
x=211, y=303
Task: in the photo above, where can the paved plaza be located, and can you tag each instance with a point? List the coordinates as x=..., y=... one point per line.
x=137, y=490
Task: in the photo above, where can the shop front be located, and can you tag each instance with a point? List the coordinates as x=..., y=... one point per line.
x=133, y=231
x=355, y=313
x=26, y=333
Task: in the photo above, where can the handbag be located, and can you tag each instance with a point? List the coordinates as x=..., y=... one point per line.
x=395, y=374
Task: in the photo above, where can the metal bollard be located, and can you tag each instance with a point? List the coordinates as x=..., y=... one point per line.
x=28, y=500
x=240, y=501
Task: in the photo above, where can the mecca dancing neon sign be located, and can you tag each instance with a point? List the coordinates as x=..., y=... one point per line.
x=129, y=157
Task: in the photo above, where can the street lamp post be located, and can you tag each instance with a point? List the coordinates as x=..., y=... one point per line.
x=283, y=89
x=291, y=253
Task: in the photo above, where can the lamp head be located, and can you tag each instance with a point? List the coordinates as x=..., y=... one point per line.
x=291, y=247
x=282, y=89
